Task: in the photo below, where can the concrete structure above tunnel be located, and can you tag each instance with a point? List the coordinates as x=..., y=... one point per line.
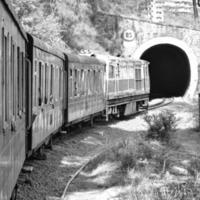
x=148, y=35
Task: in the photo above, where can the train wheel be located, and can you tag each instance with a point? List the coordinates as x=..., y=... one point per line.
x=14, y=193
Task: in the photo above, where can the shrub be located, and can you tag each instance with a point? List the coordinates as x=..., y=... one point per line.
x=161, y=125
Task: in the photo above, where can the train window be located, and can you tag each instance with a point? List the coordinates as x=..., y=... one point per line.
x=138, y=79
x=88, y=82
x=23, y=82
x=100, y=75
x=35, y=84
x=14, y=81
x=111, y=71
x=78, y=83
x=70, y=73
x=97, y=81
x=62, y=74
x=131, y=72
x=51, y=82
x=70, y=87
x=5, y=79
x=59, y=83
x=46, y=84
x=18, y=81
x=43, y=83
x=82, y=82
x=94, y=82
x=40, y=84
x=75, y=82
x=3, y=69
x=11, y=75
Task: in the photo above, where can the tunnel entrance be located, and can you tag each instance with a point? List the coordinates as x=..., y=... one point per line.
x=169, y=70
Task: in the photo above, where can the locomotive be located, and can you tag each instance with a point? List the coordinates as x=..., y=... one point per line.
x=43, y=90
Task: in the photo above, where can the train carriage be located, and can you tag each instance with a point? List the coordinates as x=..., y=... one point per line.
x=43, y=89
x=46, y=92
x=85, y=79
x=126, y=86
x=12, y=101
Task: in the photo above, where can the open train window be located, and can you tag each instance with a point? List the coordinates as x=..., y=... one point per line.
x=100, y=84
x=23, y=81
x=61, y=83
x=5, y=82
x=35, y=84
x=14, y=80
x=75, y=82
x=82, y=85
x=40, y=84
x=46, y=84
x=51, y=82
x=89, y=85
x=57, y=83
x=70, y=86
x=94, y=82
x=70, y=73
x=18, y=81
x=111, y=71
x=11, y=75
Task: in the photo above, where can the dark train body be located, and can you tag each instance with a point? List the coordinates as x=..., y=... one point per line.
x=43, y=90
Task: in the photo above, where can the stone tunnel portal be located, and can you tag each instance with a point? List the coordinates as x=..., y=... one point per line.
x=169, y=70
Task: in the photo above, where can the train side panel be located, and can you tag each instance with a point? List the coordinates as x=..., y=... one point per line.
x=48, y=95
x=12, y=101
x=85, y=88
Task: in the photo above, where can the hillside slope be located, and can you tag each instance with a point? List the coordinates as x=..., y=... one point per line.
x=75, y=25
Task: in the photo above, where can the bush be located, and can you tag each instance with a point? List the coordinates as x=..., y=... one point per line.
x=161, y=125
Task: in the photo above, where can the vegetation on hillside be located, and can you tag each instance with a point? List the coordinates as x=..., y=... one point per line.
x=80, y=24
x=63, y=23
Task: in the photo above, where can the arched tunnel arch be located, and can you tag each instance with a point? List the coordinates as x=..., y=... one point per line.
x=169, y=70
x=173, y=67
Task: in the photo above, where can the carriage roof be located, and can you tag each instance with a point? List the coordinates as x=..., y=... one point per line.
x=10, y=9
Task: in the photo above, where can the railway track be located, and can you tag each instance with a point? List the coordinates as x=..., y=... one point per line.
x=162, y=103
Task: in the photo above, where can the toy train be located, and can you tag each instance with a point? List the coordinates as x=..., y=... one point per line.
x=43, y=90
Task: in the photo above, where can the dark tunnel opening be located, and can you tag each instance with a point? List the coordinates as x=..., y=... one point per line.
x=169, y=71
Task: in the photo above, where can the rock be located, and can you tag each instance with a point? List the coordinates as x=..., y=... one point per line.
x=179, y=171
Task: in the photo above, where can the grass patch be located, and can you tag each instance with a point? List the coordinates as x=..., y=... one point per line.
x=161, y=125
x=147, y=166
